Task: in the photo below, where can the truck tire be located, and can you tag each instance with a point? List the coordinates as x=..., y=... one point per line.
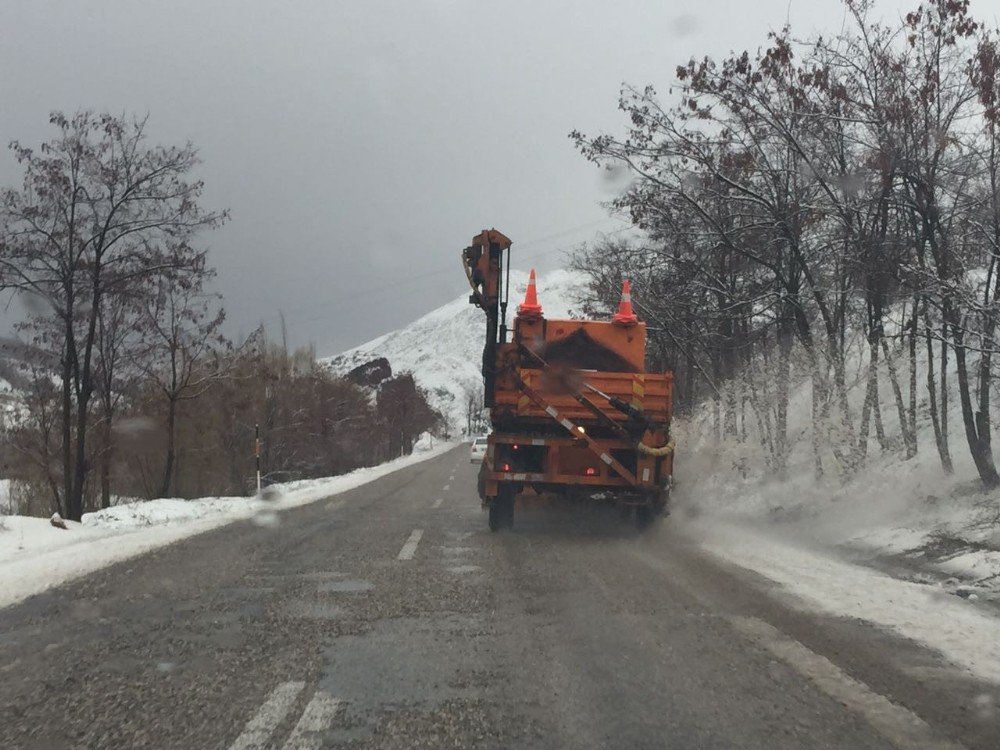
x=644, y=516
x=502, y=509
x=508, y=508
x=496, y=522
x=481, y=482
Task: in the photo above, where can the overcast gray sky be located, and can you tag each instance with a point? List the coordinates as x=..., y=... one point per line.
x=361, y=144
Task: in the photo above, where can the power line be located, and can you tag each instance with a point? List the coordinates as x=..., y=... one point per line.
x=344, y=302
x=331, y=306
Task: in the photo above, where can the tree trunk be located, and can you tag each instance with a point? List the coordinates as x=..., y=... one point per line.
x=977, y=424
x=781, y=411
x=731, y=409
x=984, y=428
x=717, y=418
x=80, y=477
x=944, y=392
x=909, y=439
x=67, y=437
x=940, y=439
x=840, y=382
x=871, y=398
x=879, y=426
x=168, y=466
x=817, y=419
x=912, y=406
x=762, y=409
x=106, y=457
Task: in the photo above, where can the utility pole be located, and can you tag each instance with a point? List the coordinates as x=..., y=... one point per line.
x=256, y=452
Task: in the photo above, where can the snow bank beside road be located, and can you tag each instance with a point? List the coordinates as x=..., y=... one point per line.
x=900, y=546
x=905, y=515
x=964, y=633
x=34, y=555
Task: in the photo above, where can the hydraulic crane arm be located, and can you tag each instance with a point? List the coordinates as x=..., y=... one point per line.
x=483, y=261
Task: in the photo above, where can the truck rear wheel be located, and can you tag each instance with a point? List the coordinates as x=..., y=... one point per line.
x=496, y=515
x=502, y=509
x=509, y=510
x=644, y=516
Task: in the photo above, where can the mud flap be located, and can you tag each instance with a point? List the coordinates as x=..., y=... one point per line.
x=481, y=482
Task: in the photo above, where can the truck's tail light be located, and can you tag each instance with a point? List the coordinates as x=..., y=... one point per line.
x=590, y=471
x=506, y=467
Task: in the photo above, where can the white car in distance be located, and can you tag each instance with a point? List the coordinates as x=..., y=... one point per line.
x=478, y=451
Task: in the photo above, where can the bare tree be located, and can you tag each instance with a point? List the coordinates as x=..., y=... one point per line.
x=117, y=373
x=183, y=355
x=405, y=414
x=815, y=189
x=98, y=209
x=473, y=393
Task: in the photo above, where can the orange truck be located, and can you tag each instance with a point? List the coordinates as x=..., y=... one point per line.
x=572, y=408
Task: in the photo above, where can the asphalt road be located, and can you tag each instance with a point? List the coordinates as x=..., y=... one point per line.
x=390, y=617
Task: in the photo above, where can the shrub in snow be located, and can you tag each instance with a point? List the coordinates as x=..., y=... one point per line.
x=271, y=493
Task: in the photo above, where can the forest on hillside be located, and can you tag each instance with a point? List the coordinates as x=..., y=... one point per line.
x=122, y=382
x=815, y=204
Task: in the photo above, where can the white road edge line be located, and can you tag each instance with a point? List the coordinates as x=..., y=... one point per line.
x=897, y=724
x=437, y=503
x=410, y=548
x=258, y=730
x=315, y=719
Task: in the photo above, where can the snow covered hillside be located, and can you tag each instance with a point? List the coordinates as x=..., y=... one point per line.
x=444, y=349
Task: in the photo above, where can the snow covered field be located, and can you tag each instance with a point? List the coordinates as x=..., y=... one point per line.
x=34, y=555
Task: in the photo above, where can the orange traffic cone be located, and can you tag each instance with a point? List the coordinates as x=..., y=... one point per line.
x=625, y=315
x=530, y=309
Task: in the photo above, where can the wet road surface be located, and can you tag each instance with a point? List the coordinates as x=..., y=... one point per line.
x=390, y=617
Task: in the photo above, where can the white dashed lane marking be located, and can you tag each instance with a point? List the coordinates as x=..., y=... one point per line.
x=410, y=548
x=437, y=503
x=315, y=720
x=447, y=487
x=258, y=730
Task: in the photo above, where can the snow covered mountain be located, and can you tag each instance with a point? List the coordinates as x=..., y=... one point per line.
x=443, y=349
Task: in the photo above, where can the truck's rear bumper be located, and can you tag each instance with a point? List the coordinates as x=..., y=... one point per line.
x=620, y=493
x=565, y=464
